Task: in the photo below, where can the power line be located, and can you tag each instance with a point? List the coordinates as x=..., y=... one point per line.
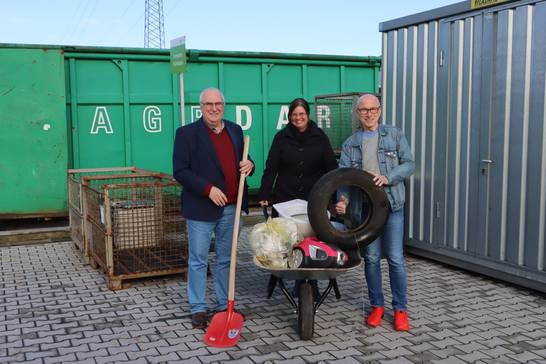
x=170, y=11
x=131, y=3
x=79, y=20
x=86, y=16
x=70, y=30
x=130, y=28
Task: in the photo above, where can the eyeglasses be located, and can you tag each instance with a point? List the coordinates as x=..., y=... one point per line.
x=209, y=105
x=371, y=110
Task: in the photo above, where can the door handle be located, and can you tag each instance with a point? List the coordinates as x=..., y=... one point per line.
x=485, y=168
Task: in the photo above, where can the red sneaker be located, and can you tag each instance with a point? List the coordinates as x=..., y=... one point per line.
x=374, y=318
x=401, y=322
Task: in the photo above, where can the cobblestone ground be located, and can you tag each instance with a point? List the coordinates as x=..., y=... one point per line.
x=54, y=309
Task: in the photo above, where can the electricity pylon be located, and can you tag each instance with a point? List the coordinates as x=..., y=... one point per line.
x=154, y=29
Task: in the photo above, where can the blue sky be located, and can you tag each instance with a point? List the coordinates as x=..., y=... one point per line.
x=343, y=27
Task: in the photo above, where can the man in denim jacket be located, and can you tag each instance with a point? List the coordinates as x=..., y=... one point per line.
x=383, y=151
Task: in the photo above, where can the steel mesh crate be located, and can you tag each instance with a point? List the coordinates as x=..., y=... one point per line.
x=77, y=177
x=335, y=115
x=136, y=226
x=76, y=228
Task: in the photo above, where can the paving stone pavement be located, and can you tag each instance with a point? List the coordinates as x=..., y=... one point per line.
x=55, y=309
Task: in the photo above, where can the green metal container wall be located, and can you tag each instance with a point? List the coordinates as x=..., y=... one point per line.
x=125, y=107
x=121, y=107
x=33, y=141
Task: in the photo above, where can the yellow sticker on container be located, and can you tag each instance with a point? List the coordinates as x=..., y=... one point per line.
x=476, y=4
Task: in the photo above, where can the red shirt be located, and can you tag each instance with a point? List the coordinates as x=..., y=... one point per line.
x=223, y=146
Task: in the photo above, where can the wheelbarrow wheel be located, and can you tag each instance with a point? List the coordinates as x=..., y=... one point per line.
x=306, y=311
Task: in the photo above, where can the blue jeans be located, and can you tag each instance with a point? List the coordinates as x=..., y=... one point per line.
x=199, y=239
x=392, y=243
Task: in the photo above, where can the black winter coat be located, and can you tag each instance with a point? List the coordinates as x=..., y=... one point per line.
x=295, y=162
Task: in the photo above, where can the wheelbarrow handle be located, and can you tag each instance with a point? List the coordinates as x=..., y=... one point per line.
x=265, y=212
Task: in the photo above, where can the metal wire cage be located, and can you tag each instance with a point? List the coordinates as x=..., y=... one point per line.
x=136, y=227
x=77, y=177
x=335, y=114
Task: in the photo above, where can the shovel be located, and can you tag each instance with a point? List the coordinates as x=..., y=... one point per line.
x=225, y=328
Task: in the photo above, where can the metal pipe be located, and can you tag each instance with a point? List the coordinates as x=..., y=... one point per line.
x=234, y=57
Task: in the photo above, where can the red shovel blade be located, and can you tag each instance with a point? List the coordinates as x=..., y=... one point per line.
x=225, y=328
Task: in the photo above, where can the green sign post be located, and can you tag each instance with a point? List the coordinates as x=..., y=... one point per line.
x=178, y=55
x=179, y=65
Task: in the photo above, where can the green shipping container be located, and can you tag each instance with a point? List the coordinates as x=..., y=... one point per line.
x=123, y=105
x=33, y=140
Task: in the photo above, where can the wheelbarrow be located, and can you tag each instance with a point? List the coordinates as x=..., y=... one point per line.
x=359, y=233
x=307, y=304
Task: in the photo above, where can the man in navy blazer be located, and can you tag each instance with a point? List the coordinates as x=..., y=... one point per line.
x=207, y=163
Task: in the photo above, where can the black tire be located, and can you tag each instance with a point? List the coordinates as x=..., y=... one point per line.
x=320, y=198
x=306, y=311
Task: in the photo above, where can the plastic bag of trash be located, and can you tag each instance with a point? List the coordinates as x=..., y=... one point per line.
x=272, y=241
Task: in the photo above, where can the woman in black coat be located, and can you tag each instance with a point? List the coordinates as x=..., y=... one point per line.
x=299, y=155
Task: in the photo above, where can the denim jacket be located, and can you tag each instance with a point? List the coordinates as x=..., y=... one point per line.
x=394, y=156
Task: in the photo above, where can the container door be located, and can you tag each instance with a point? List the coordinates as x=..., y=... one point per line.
x=486, y=170
x=33, y=149
x=491, y=190
x=123, y=113
x=460, y=210
x=512, y=137
x=440, y=205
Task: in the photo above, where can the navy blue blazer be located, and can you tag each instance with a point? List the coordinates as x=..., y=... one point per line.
x=195, y=165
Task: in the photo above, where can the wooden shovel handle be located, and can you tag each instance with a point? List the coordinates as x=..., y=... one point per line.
x=233, y=262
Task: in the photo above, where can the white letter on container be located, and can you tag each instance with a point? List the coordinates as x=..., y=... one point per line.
x=323, y=114
x=101, y=120
x=151, y=117
x=283, y=117
x=239, y=116
x=195, y=113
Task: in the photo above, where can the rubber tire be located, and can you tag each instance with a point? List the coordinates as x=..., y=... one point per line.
x=320, y=198
x=306, y=311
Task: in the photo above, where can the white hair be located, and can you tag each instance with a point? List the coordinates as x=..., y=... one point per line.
x=208, y=89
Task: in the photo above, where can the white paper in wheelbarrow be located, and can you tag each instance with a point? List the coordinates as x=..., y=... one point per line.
x=296, y=211
x=272, y=241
